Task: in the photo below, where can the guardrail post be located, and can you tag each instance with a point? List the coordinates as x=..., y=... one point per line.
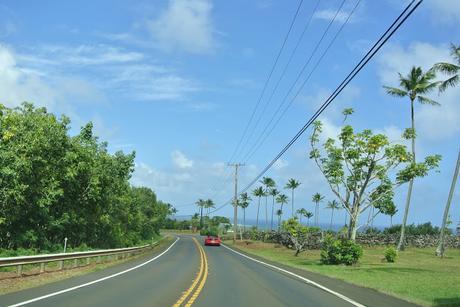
x=75, y=263
x=88, y=260
x=61, y=264
x=42, y=267
x=19, y=270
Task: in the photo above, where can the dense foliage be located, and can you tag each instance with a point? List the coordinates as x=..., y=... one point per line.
x=53, y=185
x=390, y=254
x=340, y=251
x=420, y=229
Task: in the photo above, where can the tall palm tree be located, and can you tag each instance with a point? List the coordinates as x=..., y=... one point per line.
x=279, y=213
x=333, y=205
x=244, y=203
x=308, y=215
x=413, y=86
x=208, y=204
x=300, y=212
x=273, y=192
x=282, y=200
x=269, y=183
x=258, y=192
x=292, y=184
x=200, y=204
x=450, y=69
x=317, y=198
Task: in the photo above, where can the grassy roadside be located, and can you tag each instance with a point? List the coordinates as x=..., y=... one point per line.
x=417, y=275
x=10, y=283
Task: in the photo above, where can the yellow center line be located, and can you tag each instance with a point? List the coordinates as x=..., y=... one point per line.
x=203, y=281
x=197, y=278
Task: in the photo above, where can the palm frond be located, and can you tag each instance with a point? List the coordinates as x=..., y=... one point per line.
x=425, y=100
x=451, y=82
x=447, y=68
x=393, y=91
x=455, y=52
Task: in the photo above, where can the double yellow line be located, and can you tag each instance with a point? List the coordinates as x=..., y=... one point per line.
x=199, y=281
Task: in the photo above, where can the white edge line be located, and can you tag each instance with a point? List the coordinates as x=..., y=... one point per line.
x=94, y=281
x=306, y=280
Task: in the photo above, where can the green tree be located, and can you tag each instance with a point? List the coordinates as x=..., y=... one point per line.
x=201, y=203
x=317, y=199
x=282, y=200
x=452, y=70
x=292, y=184
x=259, y=193
x=308, y=215
x=245, y=199
x=273, y=192
x=332, y=205
x=297, y=233
x=416, y=84
x=208, y=204
x=357, y=167
x=269, y=183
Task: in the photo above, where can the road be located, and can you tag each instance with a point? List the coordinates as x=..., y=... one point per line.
x=186, y=274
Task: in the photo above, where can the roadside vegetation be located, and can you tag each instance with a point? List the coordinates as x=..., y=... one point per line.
x=56, y=186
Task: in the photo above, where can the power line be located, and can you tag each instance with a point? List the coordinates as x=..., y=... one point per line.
x=261, y=114
x=397, y=23
x=262, y=138
x=267, y=81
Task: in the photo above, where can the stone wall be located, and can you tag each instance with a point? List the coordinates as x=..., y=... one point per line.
x=314, y=241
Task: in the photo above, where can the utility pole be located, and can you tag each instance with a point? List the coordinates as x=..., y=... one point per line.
x=235, y=200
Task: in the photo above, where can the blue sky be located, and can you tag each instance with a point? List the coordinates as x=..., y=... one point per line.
x=177, y=80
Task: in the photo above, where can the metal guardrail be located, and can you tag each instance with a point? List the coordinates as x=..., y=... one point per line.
x=20, y=261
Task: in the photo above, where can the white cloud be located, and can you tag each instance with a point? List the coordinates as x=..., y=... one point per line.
x=180, y=160
x=184, y=25
x=434, y=123
x=329, y=15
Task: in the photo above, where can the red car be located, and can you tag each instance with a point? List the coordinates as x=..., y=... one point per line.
x=214, y=241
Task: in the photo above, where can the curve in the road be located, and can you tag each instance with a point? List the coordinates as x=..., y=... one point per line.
x=94, y=281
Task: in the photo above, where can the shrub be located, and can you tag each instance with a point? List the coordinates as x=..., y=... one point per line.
x=340, y=251
x=390, y=254
x=209, y=231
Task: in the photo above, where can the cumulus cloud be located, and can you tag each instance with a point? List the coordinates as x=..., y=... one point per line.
x=180, y=160
x=445, y=11
x=184, y=25
x=434, y=123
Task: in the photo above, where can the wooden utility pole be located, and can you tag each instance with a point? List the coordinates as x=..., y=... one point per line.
x=235, y=201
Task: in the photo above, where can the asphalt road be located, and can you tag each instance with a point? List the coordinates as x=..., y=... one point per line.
x=188, y=273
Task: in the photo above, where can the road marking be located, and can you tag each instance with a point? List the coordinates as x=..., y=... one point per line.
x=200, y=278
x=94, y=281
x=195, y=281
x=203, y=281
x=306, y=280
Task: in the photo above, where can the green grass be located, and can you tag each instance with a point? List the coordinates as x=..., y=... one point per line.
x=417, y=275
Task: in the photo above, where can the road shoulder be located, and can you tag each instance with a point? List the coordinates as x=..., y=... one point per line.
x=363, y=295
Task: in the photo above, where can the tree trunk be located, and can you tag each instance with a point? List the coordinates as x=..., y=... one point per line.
x=201, y=218
x=352, y=229
x=332, y=216
x=411, y=183
x=257, y=218
x=292, y=202
x=244, y=219
x=391, y=220
x=440, y=249
x=266, y=212
x=273, y=208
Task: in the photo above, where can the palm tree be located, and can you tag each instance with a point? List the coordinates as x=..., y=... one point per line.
x=258, y=192
x=282, y=200
x=279, y=213
x=308, y=215
x=392, y=212
x=208, y=204
x=413, y=86
x=268, y=183
x=244, y=203
x=292, y=184
x=333, y=205
x=450, y=69
x=201, y=203
x=273, y=192
x=300, y=212
x=317, y=198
